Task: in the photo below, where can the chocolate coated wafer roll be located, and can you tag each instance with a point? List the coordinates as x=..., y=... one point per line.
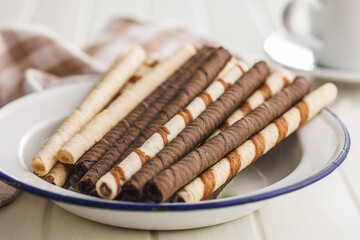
x=175, y=81
x=202, y=77
x=221, y=172
x=171, y=179
x=112, y=156
x=200, y=128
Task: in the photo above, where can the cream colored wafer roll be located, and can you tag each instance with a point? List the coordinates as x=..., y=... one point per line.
x=120, y=107
x=257, y=145
x=152, y=60
x=102, y=93
x=131, y=164
x=272, y=85
x=59, y=174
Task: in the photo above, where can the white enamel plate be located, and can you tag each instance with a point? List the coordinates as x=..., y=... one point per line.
x=303, y=158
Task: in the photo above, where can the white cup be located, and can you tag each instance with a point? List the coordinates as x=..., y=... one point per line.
x=333, y=31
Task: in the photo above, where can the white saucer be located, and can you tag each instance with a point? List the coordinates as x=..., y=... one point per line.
x=297, y=57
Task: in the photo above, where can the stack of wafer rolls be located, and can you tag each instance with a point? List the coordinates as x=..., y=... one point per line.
x=217, y=112
x=177, y=128
x=274, y=83
x=89, y=180
x=93, y=131
x=97, y=151
x=225, y=169
x=197, y=82
x=96, y=100
x=162, y=186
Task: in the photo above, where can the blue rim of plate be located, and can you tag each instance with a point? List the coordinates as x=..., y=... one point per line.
x=133, y=206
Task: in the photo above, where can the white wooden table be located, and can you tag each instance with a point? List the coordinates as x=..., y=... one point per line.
x=328, y=209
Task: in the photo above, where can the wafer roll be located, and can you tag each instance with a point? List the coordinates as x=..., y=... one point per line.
x=109, y=159
x=120, y=107
x=202, y=77
x=171, y=179
x=221, y=172
x=171, y=85
x=96, y=100
x=173, y=127
x=273, y=84
x=59, y=174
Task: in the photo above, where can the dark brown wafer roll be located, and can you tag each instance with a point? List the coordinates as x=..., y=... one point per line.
x=97, y=151
x=199, y=129
x=112, y=156
x=162, y=186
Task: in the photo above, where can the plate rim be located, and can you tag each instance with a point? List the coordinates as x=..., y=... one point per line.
x=206, y=205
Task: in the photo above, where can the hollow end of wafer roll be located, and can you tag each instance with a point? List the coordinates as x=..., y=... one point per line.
x=85, y=186
x=65, y=157
x=133, y=191
x=153, y=192
x=105, y=191
x=38, y=166
x=50, y=179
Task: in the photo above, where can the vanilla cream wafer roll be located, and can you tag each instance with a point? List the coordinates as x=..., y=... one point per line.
x=273, y=84
x=59, y=174
x=120, y=107
x=102, y=93
x=152, y=60
x=221, y=172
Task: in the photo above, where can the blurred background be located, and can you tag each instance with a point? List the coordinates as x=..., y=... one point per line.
x=242, y=23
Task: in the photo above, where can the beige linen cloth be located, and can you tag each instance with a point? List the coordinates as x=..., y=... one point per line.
x=33, y=58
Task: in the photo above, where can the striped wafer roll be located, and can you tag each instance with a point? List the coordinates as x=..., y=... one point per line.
x=273, y=84
x=109, y=159
x=71, y=151
x=59, y=174
x=175, y=125
x=102, y=93
x=171, y=85
x=221, y=172
x=183, y=171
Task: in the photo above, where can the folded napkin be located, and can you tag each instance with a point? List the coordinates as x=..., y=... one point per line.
x=33, y=58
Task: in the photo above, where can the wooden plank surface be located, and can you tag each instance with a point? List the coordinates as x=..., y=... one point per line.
x=329, y=209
